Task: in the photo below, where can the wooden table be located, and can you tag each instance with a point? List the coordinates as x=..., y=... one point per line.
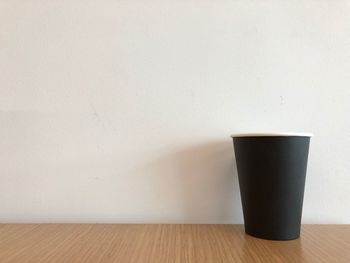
x=167, y=243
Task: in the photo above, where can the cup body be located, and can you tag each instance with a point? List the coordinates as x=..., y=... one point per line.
x=271, y=173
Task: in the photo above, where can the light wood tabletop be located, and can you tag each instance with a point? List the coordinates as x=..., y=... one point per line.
x=167, y=243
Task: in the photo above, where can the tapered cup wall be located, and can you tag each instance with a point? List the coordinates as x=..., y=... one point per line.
x=271, y=173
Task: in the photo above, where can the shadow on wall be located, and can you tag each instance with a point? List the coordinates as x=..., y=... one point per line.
x=199, y=181
x=60, y=161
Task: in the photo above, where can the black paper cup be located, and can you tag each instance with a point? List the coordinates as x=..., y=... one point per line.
x=271, y=173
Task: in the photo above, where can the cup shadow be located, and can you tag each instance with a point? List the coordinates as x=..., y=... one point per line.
x=199, y=181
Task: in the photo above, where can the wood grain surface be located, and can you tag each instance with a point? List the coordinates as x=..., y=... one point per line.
x=167, y=243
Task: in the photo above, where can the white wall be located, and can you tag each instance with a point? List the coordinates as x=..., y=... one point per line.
x=121, y=111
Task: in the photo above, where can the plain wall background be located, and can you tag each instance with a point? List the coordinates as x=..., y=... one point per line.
x=121, y=111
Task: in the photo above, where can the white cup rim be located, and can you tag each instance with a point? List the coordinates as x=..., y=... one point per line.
x=270, y=134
